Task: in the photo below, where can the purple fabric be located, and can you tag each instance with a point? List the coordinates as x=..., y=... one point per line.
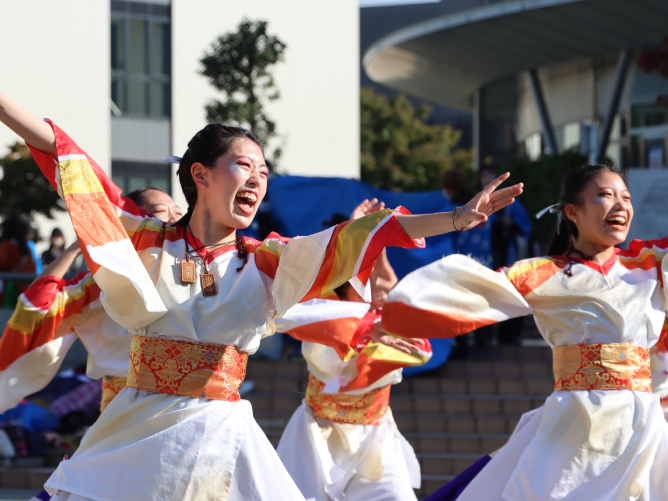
x=43, y=496
x=454, y=488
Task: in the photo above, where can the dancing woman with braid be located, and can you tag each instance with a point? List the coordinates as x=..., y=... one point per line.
x=197, y=299
x=601, y=435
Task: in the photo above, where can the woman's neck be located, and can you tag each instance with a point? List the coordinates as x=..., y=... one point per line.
x=599, y=254
x=206, y=230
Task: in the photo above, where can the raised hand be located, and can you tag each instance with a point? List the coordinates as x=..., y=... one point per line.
x=402, y=344
x=366, y=207
x=487, y=202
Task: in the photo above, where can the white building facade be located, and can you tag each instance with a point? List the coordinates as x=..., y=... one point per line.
x=122, y=78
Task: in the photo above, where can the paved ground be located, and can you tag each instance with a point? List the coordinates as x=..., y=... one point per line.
x=16, y=494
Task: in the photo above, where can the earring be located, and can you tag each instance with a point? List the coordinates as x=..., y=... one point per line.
x=575, y=220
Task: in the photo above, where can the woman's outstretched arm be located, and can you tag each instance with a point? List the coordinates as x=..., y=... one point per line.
x=475, y=212
x=30, y=128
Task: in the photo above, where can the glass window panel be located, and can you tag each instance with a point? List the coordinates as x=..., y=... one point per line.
x=138, y=46
x=137, y=98
x=117, y=44
x=118, y=94
x=159, y=99
x=136, y=182
x=161, y=183
x=160, y=49
x=118, y=180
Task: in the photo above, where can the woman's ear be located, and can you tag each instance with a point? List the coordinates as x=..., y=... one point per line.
x=571, y=212
x=199, y=174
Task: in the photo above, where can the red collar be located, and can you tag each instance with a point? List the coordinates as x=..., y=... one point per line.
x=193, y=243
x=603, y=269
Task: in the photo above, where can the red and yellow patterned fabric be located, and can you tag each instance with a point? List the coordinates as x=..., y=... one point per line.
x=111, y=387
x=367, y=408
x=187, y=369
x=42, y=312
x=39, y=334
x=601, y=367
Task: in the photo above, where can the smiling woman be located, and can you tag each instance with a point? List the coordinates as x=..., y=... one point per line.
x=602, y=432
x=179, y=430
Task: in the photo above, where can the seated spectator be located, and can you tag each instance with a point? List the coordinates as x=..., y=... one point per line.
x=15, y=257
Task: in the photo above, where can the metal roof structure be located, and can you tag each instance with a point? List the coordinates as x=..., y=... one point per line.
x=447, y=59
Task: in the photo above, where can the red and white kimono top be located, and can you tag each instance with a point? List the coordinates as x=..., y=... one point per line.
x=582, y=444
x=169, y=446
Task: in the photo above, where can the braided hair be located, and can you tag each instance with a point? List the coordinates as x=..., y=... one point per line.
x=572, y=188
x=206, y=147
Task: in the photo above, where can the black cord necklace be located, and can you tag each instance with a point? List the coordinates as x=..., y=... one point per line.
x=207, y=278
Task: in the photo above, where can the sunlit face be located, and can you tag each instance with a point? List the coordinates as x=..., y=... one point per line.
x=161, y=205
x=233, y=189
x=604, y=218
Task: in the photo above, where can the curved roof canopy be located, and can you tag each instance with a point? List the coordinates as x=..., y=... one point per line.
x=448, y=58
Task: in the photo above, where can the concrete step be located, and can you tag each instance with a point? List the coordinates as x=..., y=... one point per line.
x=487, y=385
x=470, y=443
x=25, y=478
x=504, y=369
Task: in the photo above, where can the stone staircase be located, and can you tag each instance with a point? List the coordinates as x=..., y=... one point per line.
x=451, y=417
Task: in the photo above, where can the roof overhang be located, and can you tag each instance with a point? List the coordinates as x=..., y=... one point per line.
x=446, y=59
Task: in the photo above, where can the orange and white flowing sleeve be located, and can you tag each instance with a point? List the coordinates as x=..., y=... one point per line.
x=39, y=334
x=456, y=295
x=109, y=227
x=343, y=326
x=304, y=268
x=648, y=255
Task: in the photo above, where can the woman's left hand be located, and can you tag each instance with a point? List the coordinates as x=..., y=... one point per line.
x=366, y=207
x=405, y=345
x=486, y=203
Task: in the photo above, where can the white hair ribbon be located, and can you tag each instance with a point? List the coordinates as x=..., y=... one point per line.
x=552, y=209
x=172, y=159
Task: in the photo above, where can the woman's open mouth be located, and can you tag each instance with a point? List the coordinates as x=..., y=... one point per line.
x=617, y=223
x=246, y=200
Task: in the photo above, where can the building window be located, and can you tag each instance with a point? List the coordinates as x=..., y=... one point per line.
x=130, y=176
x=649, y=115
x=140, y=59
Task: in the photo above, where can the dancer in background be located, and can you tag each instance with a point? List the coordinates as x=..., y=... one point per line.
x=602, y=434
x=53, y=312
x=342, y=442
x=197, y=298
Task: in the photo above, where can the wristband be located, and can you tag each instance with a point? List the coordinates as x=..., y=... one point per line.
x=455, y=214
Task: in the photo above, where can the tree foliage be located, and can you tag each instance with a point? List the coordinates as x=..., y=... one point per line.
x=24, y=190
x=400, y=151
x=239, y=65
x=542, y=180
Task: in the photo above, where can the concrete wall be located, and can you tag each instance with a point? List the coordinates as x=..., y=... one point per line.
x=55, y=63
x=318, y=112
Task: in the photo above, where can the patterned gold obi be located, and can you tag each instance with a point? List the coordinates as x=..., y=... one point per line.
x=186, y=368
x=111, y=386
x=602, y=367
x=367, y=408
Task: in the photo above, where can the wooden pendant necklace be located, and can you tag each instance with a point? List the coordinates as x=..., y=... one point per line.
x=207, y=278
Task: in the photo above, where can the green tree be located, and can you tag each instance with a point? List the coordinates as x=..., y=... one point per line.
x=239, y=65
x=400, y=151
x=542, y=184
x=24, y=191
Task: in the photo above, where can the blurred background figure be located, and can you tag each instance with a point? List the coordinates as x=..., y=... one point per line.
x=32, y=234
x=56, y=247
x=15, y=257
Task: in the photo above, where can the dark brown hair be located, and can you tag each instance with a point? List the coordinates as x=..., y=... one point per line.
x=206, y=147
x=574, y=184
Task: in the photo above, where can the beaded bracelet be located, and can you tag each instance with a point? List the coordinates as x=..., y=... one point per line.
x=455, y=214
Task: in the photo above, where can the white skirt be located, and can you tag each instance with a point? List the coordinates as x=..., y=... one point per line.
x=582, y=446
x=332, y=461
x=164, y=447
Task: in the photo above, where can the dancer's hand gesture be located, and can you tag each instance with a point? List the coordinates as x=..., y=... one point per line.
x=487, y=202
x=402, y=344
x=366, y=208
